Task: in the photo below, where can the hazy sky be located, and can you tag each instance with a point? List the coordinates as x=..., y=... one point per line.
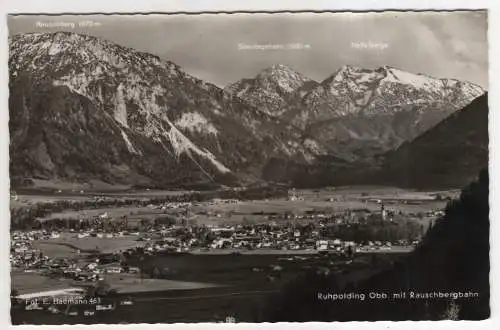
x=216, y=48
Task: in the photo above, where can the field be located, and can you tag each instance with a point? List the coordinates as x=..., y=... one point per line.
x=114, y=212
x=32, y=282
x=67, y=244
x=324, y=200
x=55, y=250
x=125, y=283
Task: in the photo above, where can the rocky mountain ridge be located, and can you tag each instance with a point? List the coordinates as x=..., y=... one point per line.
x=155, y=122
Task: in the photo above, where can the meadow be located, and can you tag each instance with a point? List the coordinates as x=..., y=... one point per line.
x=206, y=288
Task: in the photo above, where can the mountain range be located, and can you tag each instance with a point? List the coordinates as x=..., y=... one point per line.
x=82, y=108
x=356, y=112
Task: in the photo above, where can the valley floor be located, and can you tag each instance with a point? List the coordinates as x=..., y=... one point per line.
x=226, y=275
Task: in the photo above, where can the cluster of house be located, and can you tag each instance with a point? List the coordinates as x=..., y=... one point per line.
x=251, y=237
x=379, y=245
x=19, y=236
x=23, y=256
x=291, y=235
x=183, y=205
x=434, y=213
x=262, y=237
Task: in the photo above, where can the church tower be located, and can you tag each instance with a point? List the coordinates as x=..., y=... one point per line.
x=383, y=212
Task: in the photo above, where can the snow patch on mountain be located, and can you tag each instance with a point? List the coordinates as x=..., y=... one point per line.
x=415, y=80
x=242, y=92
x=312, y=145
x=77, y=83
x=120, y=113
x=129, y=144
x=181, y=144
x=472, y=90
x=56, y=48
x=217, y=112
x=195, y=122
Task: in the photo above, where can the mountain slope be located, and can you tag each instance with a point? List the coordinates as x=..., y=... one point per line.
x=84, y=108
x=448, y=155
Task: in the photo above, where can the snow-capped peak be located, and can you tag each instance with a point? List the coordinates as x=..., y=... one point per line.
x=281, y=76
x=271, y=89
x=354, y=74
x=403, y=77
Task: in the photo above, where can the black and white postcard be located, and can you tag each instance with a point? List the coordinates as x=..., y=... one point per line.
x=248, y=167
